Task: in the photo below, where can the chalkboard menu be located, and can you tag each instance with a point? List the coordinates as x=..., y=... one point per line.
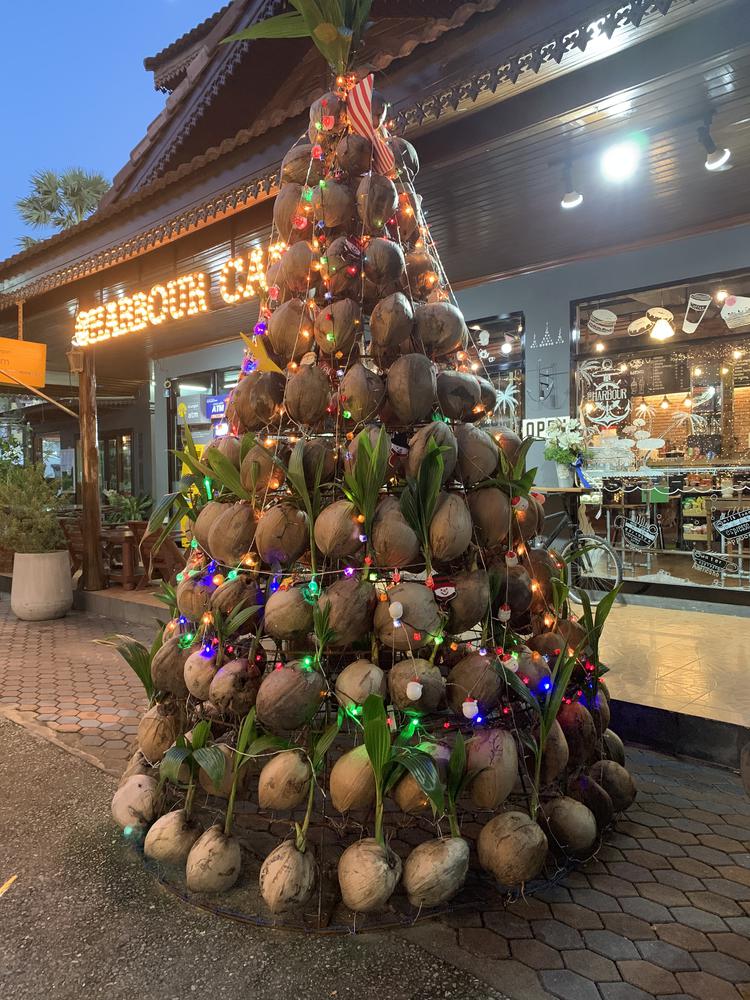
x=742, y=371
x=660, y=375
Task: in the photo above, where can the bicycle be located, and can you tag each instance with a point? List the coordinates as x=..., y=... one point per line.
x=591, y=563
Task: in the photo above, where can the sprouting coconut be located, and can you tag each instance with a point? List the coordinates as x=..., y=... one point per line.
x=351, y=784
x=584, y=789
x=474, y=679
x=407, y=620
x=614, y=747
x=421, y=273
x=202, y=524
x=223, y=788
x=439, y=329
x=194, y=596
x=317, y=453
x=357, y=682
x=487, y=401
x=555, y=756
x=573, y=634
x=235, y=686
x=393, y=540
x=200, y=669
x=259, y=472
x=337, y=326
x=508, y=442
x=214, y=862
x=337, y=531
x=490, y=512
x=450, y=528
x=435, y=871
x=136, y=765
x=492, y=754
x=570, y=826
x=477, y=454
x=416, y=685
x=471, y=601
x=525, y=525
x=371, y=432
x=171, y=838
x=289, y=696
x=288, y=615
x=308, y=395
x=368, y=874
x=391, y=324
x=580, y=733
x=232, y=534
x=135, y=803
x=167, y=668
x=227, y=445
x=411, y=388
x=409, y=796
x=282, y=534
x=598, y=707
x=443, y=436
x=158, y=730
x=351, y=604
x=237, y=593
x=287, y=877
x=284, y=782
x=512, y=847
x=256, y=398
x=513, y=587
x=361, y=393
x=616, y=782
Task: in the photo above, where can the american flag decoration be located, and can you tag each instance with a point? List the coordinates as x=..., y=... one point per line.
x=360, y=119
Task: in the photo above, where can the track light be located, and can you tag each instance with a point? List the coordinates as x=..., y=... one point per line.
x=619, y=162
x=716, y=158
x=571, y=198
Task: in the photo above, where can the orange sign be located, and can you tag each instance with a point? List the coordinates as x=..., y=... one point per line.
x=24, y=359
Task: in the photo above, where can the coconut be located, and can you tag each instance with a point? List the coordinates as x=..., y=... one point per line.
x=200, y=670
x=556, y=754
x=598, y=706
x=259, y=472
x=333, y=204
x=616, y=782
x=354, y=154
x=419, y=616
x=136, y=765
x=157, y=731
x=512, y=847
x=525, y=526
x=580, y=734
x=411, y=387
x=232, y=534
x=422, y=273
x=513, y=587
x=384, y=262
x=439, y=329
x=405, y=155
x=256, y=397
x=337, y=530
x=202, y=524
x=377, y=200
x=286, y=330
x=193, y=597
x=235, y=686
x=409, y=796
x=393, y=540
x=358, y=681
x=546, y=643
x=337, y=326
x=135, y=802
x=308, y=395
x=351, y=783
x=368, y=875
x=508, y=442
x=351, y=604
x=443, y=436
x=227, y=445
x=458, y=393
x=341, y=268
x=287, y=877
x=407, y=672
x=477, y=454
x=167, y=668
x=327, y=117
x=300, y=167
x=435, y=871
x=391, y=324
x=488, y=398
x=284, y=782
x=570, y=825
x=289, y=696
x=361, y=393
x=474, y=678
x=224, y=787
x=614, y=747
x=297, y=266
x=544, y=569
x=318, y=453
x=492, y=753
x=214, y=862
x=242, y=591
x=450, y=528
x=471, y=601
x=372, y=432
x=289, y=218
x=585, y=789
x=171, y=838
x=408, y=214
x=533, y=669
x=490, y=512
x=288, y=615
x=573, y=634
x=283, y=534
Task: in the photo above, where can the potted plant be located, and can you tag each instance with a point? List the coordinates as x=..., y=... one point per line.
x=564, y=445
x=29, y=526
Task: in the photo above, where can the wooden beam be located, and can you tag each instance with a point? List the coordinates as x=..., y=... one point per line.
x=93, y=566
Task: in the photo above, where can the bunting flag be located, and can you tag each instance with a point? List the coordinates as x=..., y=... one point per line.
x=360, y=119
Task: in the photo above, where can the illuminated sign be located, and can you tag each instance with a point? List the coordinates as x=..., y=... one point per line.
x=24, y=359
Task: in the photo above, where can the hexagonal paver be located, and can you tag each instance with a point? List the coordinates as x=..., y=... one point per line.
x=715, y=903
x=569, y=986
x=535, y=954
x=646, y=910
x=701, y=920
x=601, y=902
x=482, y=942
x=726, y=887
x=630, y=872
x=719, y=964
x=668, y=956
x=576, y=916
x=706, y=986
x=591, y=966
x=732, y=944
x=556, y=934
x=647, y=976
x=614, y=886
x=507, y=924
x=610, y=945
x=678, y=880
x=623, y=991
x=667, y=895
x=692, y=866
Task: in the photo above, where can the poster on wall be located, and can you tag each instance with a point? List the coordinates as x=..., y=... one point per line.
x=608, y=388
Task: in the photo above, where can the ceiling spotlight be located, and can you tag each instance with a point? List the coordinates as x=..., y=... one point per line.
x=716, y=158
x=664, y=403
x=506, y=347
x=571, y=198
x=721, y=295
x=661, y=330
x=599, y=346
x=687, y=402
x=620, y=161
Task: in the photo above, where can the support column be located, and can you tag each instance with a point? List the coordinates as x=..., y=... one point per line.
x=93, y=566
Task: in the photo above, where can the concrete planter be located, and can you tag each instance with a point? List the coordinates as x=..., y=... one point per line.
x=41, y=587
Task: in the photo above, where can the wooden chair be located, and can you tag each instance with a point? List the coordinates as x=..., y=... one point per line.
x=164, y=563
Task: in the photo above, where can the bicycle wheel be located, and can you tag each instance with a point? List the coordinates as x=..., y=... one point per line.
x=592, y=565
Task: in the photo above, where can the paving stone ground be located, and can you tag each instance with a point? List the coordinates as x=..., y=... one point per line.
x=663, y=911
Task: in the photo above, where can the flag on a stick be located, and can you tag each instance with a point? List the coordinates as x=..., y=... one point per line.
x=360, y=119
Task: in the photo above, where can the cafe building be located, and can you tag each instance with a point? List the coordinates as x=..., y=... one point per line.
x=512, y=108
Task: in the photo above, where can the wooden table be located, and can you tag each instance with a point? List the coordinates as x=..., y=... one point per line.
x=122, y=538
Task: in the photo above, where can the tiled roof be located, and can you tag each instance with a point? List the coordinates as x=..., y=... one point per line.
x=184, y=41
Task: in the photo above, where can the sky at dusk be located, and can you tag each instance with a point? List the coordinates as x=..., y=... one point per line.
x=75, y=92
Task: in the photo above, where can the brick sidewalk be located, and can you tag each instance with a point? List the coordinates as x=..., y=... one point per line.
x=663, y=911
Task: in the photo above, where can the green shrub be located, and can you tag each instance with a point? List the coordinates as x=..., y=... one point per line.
x=28, y=511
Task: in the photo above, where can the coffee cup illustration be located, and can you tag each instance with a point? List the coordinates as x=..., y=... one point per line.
x=697, y=305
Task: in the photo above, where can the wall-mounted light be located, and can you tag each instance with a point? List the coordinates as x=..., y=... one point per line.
x=571, y=198
x=664, y=405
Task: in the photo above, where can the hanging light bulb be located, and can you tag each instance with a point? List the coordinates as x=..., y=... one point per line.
x=571, y=198
x=716, y=158
x=721, y=295
x=599, y=346
x=662, y=330
x=506, y=347
x=687, y=402
x=664, y=405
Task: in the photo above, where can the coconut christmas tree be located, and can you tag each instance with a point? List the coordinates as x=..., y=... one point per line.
x=363, y=622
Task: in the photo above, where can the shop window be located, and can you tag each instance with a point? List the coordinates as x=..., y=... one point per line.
x=495, y=352
x=116, y=461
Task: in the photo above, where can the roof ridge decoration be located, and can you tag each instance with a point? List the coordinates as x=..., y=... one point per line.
x=613, y=18
x=191, y=35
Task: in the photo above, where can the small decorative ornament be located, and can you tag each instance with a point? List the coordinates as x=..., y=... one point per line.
x=511, y=559
x=299, y=222
x=260, y=329
x=520, y=503
x=395, y=609
x=273, y=292
x=505, y=611
x=328, y=121
x=317, y=152
x=444, y=588
x=470, y=708
x=414, y=690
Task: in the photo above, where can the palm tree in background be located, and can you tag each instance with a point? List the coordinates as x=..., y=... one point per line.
x=60, y=200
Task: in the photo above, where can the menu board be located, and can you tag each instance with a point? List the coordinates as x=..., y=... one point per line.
x=660, y=375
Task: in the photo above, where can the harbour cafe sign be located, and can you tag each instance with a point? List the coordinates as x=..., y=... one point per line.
x=241, y=278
